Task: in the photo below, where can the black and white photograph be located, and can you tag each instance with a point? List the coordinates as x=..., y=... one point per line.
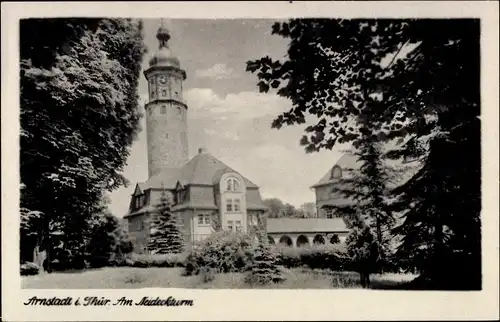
x=297, y=153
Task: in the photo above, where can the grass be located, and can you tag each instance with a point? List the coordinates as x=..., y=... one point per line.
x=155, y=277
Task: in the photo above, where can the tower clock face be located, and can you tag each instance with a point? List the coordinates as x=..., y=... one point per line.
x=163, y=79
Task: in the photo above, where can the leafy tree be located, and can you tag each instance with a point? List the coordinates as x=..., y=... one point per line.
x=165, y=236
x=362, y=249
x=308, y=209
x=279, y=209
x=275, y=207
x=32, y=235
x=102, y=242
x=79, y=114
x=409, y=83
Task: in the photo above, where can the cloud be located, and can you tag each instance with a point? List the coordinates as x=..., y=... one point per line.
x=217, y=71
x=240, y=106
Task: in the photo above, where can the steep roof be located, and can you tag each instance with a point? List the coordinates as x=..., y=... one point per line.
x=201, y=169
x=310, y=225
x=348, y=163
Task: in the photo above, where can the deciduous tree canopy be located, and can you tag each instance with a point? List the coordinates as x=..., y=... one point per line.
x=412, y=80
x=79, y=111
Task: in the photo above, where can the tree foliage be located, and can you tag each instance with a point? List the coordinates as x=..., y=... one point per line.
x=368, y=188
x=363, y=250
x=278, y=209
x=165, y=236
x=265, y=268
x=416, y=81
x=79, y=113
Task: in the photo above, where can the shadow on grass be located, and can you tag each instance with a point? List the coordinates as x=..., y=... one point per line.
x=76, y=270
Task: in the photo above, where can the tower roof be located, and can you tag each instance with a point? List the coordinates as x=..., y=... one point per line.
x=201, y=169
x=164, y=56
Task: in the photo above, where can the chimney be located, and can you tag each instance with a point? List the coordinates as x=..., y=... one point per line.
x=202, y=150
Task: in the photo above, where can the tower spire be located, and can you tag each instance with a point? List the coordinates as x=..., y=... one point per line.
x=163, y=35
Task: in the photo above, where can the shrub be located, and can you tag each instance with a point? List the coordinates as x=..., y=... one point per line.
x=265, y=268
x=208, y=274
x=156, y=260
x=317, y=257
x=29, y=268
x=224, y=252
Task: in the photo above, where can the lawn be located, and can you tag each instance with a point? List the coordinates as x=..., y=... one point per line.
x=129, y=277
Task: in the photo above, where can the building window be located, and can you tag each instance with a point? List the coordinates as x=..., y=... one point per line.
x=203, y=220
x=232, y=184
x=238, y=225
x=181, y=196
x=233, y=205
x=329, y=213
x=252, y=218
x=152, y=94
x=139, y=201
x=180, y=220
x=136, y=224
x=230, y=225
x=336, y=172
x=164, y=93
x=163, y=109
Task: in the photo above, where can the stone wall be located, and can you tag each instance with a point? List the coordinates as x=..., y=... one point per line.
x=166, y=135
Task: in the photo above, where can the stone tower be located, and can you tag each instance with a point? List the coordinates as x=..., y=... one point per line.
x=166, y=111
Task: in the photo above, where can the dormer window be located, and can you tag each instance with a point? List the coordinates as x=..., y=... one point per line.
x=139, y=201
x=336, y=172
x=181, y=196
x=232, y=184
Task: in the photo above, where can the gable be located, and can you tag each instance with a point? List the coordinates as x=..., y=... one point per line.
x=179, y=186
x=138, y=190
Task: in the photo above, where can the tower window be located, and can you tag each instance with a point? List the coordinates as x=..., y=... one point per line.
x=176, y=94
x=163, y=109
x=164, y=93
x=336, y=172
x=232, y=184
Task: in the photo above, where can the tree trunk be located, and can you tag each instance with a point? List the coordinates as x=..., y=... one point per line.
x=48, y=246
x=379, y=246
x=362, y=279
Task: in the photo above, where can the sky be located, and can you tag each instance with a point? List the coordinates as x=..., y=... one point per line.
x=226, y=113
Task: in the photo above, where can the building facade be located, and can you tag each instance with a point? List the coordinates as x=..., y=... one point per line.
x=306, y=232
x=326, y=196
x=206, y=194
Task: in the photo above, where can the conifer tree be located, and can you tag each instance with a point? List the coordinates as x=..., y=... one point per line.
x=165, y=236
x=362, y=248
x=265, y=268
